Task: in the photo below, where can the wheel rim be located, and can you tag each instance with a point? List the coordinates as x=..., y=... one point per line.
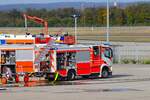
x=105, y=74
x=71, y=76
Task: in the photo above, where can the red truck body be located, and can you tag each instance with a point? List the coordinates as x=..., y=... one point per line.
x=79, y=60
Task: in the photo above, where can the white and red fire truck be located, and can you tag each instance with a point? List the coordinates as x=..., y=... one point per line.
x=80, y=60
x=18, y=59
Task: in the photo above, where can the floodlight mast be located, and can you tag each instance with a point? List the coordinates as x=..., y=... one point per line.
x=75, y=16
x=108, y=26
x=108, y=20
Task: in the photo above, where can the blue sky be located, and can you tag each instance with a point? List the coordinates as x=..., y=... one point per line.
x=3, y=2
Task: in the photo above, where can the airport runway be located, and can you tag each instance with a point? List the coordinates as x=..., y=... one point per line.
x=129, y=82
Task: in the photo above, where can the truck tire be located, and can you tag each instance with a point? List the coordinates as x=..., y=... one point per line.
x=71, y=75
x=105, y=72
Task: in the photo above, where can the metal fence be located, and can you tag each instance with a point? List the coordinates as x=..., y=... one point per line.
x=122, y=33
x=132, y=53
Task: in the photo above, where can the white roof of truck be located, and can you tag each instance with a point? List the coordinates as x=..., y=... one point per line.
x=75, y=47
x=16, y=46
x=70, y=47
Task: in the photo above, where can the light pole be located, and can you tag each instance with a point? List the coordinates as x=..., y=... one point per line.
x=75, y=16
x=108, y=19
x=107, y=33
x=25, y=23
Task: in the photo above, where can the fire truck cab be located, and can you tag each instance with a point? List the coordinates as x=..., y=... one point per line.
x=80, y=60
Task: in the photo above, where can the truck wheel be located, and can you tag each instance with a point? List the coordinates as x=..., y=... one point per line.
x=105, y=73
x=71, y=75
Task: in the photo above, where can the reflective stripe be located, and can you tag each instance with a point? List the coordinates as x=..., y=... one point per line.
x=53, y=61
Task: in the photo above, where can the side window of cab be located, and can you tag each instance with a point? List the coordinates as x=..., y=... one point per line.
x=108, y=53
x=96, y=50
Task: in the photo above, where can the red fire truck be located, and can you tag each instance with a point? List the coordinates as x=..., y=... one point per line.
x=45, y=60
x=79, y=60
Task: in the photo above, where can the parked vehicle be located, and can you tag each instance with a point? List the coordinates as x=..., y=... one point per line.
x=80, y=60
x=68, y=61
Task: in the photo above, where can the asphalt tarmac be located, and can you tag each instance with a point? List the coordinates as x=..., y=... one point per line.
x=129, y=82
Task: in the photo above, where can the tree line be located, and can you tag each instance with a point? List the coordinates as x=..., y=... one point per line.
x=132, y=15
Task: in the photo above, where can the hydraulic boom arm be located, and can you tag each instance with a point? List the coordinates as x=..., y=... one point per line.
x=37, y=20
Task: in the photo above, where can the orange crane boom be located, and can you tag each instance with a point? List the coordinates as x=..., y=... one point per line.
x=37, y=20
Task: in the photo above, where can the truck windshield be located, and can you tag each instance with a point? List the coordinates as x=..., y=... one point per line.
x=108, y=53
